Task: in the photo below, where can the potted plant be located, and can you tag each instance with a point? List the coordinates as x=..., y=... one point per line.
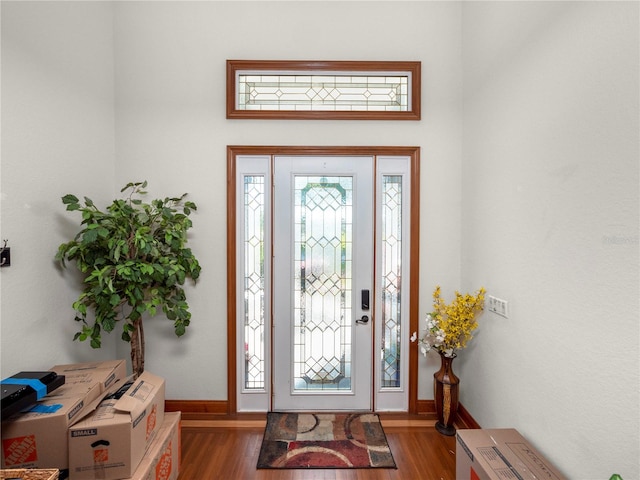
x=448, y=328
x=134, y=262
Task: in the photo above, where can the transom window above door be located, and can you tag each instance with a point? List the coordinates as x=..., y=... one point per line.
x=323, y=90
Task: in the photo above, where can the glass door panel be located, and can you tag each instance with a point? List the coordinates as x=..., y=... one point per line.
x=322, y=282
x=323, y=244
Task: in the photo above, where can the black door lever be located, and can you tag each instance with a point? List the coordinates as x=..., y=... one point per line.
x=363, y=320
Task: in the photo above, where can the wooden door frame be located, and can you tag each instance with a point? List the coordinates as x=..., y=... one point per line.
x=414, y=277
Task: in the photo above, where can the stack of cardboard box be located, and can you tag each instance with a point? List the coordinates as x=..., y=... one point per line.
x=497, y=454
x=99, y=425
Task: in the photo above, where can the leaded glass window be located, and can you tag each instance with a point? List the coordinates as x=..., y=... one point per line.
x=391, y=262
x=254, y=282
x=322, y=271
x=323, y=90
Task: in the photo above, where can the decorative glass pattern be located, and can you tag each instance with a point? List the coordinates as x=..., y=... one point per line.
x=254, y=283
x=323, y=237
x=391, y=261
x=323, y=92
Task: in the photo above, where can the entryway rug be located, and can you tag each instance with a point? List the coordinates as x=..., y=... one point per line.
x=324, y=440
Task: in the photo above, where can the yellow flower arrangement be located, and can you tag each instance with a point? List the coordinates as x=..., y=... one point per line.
x=450, y=327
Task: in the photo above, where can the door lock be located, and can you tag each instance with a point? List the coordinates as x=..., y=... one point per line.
x=364, y=299
x=363, y=320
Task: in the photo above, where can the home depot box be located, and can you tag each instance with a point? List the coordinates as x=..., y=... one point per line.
x=92, y=375
x=111, y=441
x=38, y=437
x=500, y=454
x=162, y=460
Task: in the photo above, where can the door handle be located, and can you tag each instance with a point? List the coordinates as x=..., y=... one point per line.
x=363, y=320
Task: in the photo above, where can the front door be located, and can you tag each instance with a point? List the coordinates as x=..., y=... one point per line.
x=322, y=239
x=323, y=269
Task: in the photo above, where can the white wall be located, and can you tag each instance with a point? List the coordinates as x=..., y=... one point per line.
x=536, y=198
x=550, y=223
x=168, y=74
x=57, y=138
x=172, y=131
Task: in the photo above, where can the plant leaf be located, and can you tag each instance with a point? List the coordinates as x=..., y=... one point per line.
x=133, y=260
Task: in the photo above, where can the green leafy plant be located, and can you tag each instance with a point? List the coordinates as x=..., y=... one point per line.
x=134, y=262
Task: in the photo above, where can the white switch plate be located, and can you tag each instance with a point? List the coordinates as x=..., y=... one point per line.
x=499, y=306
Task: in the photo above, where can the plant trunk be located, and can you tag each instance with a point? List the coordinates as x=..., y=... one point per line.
x=137, y=349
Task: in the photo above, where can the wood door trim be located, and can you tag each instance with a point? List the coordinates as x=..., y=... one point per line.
x=235, y=150
x=413, y=68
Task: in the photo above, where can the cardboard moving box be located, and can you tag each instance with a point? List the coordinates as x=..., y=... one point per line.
x=500, y=454
x=162, y=460
x=100, y=376
x=110, y=442
x=38, y=438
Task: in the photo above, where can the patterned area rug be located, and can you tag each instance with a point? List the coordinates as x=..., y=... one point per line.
x=304, y=440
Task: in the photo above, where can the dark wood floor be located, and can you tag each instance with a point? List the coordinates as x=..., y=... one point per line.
x=228, y=450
